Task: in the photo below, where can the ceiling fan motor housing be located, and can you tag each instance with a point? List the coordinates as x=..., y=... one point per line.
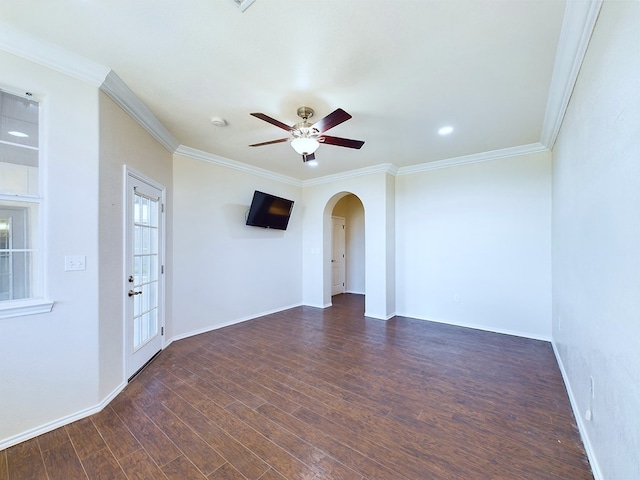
x=305, y=112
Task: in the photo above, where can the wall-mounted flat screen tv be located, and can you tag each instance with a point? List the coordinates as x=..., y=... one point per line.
x=269, y=211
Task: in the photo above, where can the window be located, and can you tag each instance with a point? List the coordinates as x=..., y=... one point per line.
x=20, y=206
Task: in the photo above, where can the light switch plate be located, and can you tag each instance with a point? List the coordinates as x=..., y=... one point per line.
x=75, y=262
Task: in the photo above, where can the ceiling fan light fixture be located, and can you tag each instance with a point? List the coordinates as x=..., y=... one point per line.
x=305, y=145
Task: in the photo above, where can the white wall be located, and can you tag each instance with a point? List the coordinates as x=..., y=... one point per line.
x=350, y=207
x=319, y=200
x=124, y=142
x=596, y=243
x=479, y=234
x=225, y=271
x=49, y=362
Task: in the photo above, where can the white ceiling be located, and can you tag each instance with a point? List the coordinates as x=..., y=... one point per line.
x=402, y=68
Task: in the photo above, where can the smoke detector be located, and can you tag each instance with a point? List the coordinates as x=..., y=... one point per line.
x=218, y=122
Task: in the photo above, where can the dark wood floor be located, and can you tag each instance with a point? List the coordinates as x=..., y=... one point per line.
x=326, y=394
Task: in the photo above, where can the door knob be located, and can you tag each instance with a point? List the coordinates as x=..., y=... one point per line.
x=132, y=293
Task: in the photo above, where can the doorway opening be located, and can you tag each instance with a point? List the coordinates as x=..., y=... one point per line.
x=347, y=246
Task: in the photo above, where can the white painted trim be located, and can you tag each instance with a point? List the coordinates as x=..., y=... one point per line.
x=18, y=308
x=484, y=328
x=316, y=305
x=130, y=103
x=48, y=427
x=474, y=158
x=25, y=46
x=231, y=322
x=243, y=167
x=593, y=461
x=577, y=27
x=377, y=317
x=382, y=168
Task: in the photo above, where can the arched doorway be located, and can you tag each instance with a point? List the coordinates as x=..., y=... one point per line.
x=349, y=211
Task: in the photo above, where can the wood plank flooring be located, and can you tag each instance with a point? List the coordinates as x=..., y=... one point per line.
x=311, y=394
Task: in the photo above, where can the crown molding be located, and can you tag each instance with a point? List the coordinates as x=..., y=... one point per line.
x=30, y=48
x=243, y=167
x=577, y=27
x=382, y=168
x=475, y=158
x=130, y=103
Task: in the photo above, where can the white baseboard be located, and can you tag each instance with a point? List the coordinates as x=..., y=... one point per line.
x=378, y=317
x=228, y=324
x=593, y=461
x=484, y=328
x=48, y=427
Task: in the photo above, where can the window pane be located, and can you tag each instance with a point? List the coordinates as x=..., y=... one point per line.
x=19, y=119
x=153, y=294
x=153, y=245
x=136, y=332
x=154, y=214
x=137, y=271
x=15, y=275
x=145, y=211
x=136, y=209
x=18, y=170
x=153, y=322
x=18, y=145
x=137, y=240
x=137, y=305
x=146, y=268
x=18, y=250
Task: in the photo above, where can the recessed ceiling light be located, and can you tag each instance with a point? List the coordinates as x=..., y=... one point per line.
x=15, y=133
x=445, y=130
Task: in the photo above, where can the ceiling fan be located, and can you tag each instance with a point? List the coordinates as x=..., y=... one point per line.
x=306, y=137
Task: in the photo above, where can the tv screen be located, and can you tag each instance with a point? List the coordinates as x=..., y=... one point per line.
x=269, y=211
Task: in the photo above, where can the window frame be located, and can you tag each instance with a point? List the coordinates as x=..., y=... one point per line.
x=35, y=304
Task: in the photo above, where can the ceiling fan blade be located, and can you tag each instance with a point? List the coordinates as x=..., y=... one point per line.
x=272, y=121
x=280, y=140
x=308, y=158
x=341, y=142
x=331, y=120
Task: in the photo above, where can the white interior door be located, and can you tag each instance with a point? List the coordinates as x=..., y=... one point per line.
x=144, y=322
x=338, y=256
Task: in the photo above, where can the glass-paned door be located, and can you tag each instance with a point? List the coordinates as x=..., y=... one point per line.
x=144, y=322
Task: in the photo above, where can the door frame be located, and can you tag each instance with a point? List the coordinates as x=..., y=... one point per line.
x=343, y=239
x=136, y=175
